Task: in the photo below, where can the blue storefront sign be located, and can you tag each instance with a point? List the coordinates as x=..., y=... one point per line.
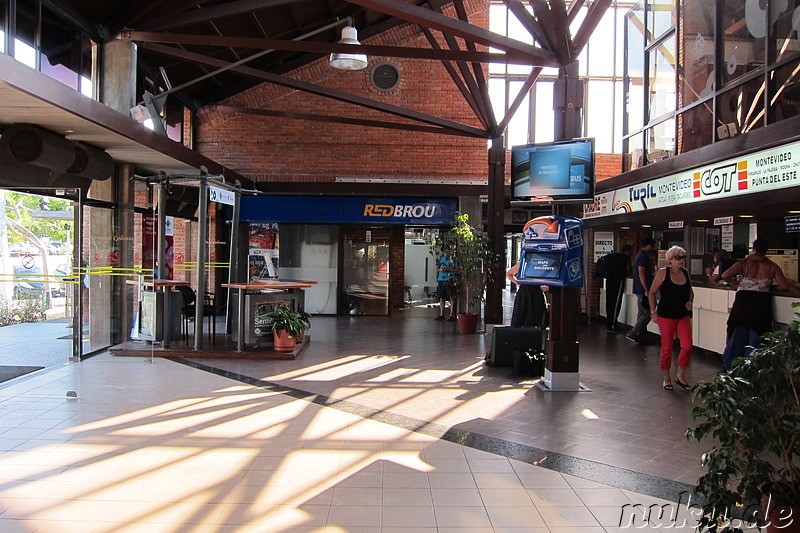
x=349, y=210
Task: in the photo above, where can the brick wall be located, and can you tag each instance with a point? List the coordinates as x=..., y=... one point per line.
x=284, y=149
x=607, y=166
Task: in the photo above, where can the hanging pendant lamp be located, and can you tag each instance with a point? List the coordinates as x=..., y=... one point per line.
x=348, y=61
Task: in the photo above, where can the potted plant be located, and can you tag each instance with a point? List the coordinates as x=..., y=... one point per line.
x=287, y=325
x=753, y=415
x=305, y=318
x=471, y=252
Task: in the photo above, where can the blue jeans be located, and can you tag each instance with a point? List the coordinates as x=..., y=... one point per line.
x=739, y=344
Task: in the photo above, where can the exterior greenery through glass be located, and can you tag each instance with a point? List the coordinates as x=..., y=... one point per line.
x=715, y=69
x=600, y=63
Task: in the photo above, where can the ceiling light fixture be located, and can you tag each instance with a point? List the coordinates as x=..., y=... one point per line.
x=745, y=216
x=344, y=61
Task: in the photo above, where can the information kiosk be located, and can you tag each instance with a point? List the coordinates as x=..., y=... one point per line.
x=552, y=252
x=552, y=255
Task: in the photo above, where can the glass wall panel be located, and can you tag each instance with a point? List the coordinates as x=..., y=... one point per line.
x=365, y=270
x=600, y=118
x=600, y=60
x=785, y=92
x=619, y=45
x=741, y=109
x=784, y=37
x=498, y=25
x=743, y=30
x=497, y=96
x=633, y=156
x=660, y=141
x=618, y=118
x=311, y=251
x=634, y=33
x=634, y=68
x=544, y=128
x=661, y=73
x=3, y=26
x=697, y=74
x=519, y=126
x=635, y=104
x=695, y=127
x=660, y=18
x=26, y=41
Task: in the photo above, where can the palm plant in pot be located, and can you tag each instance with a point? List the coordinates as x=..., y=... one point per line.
x=287, y=326
x=752, y=414
x=472, y=254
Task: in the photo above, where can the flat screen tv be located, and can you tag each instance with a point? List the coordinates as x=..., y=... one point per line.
x=561, y=171
x=542, y=265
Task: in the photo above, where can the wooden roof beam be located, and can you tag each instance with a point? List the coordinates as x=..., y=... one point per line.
x=322, y=48
x=316, y=117
x=318, y=90
x=458, y=28
x=459, y=82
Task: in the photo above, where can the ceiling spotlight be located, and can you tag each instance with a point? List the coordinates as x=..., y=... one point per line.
x=349, y=61
x=139, y=113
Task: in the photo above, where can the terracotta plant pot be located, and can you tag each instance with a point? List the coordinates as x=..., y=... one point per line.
x=780, y=518
x=283, y=341
x=467, y=323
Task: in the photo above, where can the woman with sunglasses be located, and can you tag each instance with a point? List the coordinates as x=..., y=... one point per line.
x=751, y=314
x=673, y=314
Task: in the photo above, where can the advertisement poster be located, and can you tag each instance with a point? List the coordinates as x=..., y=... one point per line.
x=149, y=228
x=698, y=241
x=712, y=240
x=261, y=322
x=727, y=237
x=263, y=253
x=603, y=244
x=786, y=259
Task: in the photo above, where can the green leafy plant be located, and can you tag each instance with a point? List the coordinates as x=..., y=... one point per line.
x=292, y=322
x=28, y=310
x=471, y=251
x=752, y=413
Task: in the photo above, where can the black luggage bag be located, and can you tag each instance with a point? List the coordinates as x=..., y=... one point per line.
x=509, y=339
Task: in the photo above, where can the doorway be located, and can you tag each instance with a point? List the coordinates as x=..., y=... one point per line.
x=40, y=283
x=364, y=285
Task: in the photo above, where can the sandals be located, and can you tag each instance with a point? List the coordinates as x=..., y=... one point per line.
x=681, y=384
x=668, y=386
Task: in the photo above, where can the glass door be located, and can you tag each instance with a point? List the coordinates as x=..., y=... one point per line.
x=365, y=270
x=39, y=279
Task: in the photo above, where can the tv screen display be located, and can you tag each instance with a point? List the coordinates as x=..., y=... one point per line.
x=562, y=171
x=546, y=265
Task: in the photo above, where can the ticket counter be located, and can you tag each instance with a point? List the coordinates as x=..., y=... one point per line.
x=711, y=307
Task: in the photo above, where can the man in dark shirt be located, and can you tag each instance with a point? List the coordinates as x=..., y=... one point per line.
x=618, y=267
x=642, y=278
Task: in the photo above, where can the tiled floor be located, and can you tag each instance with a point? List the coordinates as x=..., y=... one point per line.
x=381, y=426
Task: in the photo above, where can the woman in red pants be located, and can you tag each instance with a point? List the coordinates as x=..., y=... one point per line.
x=673, y=314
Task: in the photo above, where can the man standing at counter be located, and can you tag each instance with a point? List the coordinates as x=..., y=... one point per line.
x=642, y=278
